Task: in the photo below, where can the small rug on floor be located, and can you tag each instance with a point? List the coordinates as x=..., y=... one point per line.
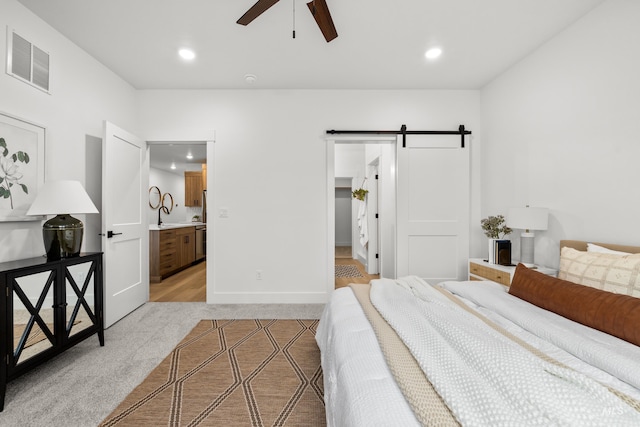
x=347, y=271
x=233, y=373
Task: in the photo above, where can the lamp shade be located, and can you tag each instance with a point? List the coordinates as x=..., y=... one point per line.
x=62, y=197
x=62, y=234
x=528, y=218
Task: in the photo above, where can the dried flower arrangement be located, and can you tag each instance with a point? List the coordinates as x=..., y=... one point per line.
x=494, y=227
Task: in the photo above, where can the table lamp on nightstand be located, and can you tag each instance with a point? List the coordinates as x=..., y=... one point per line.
x=527, y=219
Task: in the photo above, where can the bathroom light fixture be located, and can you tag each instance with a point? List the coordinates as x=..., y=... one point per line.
x=433, y=53
x=186, y=54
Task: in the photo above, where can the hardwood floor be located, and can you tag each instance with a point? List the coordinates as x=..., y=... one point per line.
x=186, y=286
x=343, y=252
x=190, y=285
x=345, y=281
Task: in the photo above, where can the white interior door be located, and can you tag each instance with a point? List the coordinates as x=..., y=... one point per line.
x=433, y=207
x=372, y=217
x=124, y=223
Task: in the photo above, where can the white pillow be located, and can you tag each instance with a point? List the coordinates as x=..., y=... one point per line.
x=591, y=247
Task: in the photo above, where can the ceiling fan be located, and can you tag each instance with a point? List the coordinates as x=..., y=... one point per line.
x=318, y=9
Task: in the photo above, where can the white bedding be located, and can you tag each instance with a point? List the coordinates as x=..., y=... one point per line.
x=358, y=386
x=360, y=390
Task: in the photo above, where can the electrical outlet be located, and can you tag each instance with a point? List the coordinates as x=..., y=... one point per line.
x=258, y=274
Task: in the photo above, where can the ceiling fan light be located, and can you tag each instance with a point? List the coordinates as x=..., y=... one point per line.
x=433, y=53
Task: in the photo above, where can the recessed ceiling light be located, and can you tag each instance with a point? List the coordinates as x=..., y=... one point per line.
x=173, y=165
x=433, y=53
x=189, y=155
x=187, y=54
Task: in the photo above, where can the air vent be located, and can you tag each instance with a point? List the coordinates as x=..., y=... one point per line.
x=27, y=62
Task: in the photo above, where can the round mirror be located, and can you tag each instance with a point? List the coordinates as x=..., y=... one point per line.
x=167, y=201
x=155, y=197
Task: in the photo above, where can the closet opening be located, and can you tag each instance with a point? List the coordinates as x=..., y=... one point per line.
x=361, y=194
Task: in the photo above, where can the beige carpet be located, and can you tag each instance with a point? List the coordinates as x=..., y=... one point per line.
x=233, y=373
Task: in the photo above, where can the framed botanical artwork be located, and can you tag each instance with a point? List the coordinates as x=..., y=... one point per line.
x=21, y=167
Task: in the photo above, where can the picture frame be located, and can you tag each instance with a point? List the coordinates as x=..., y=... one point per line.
x=21, y=167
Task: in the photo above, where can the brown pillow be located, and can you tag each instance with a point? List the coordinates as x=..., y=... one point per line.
x=615, y=314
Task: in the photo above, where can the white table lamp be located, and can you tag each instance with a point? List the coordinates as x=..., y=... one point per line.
x=62, y=234
x=527, y=219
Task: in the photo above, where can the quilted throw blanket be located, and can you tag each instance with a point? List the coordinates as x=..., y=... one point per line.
x=484, y=377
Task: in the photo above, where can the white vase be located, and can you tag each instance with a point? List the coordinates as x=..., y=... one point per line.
x=491, y=257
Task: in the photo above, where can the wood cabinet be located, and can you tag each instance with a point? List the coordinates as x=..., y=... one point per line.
x=186, y=245
x=480, y=269
x=47, y=307
x=162, y=254
x=170, y=251
x=204, y=176
x=193, y=188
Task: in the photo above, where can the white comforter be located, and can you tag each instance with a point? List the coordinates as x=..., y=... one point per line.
x=359, y=387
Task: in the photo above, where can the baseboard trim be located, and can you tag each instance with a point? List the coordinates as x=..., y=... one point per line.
x=267, y=298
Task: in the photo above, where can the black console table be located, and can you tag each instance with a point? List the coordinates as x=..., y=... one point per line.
x=45, y=308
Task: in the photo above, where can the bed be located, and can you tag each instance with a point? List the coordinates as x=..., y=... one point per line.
x=406, y=353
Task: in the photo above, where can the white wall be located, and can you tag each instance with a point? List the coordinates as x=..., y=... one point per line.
x=83, y=94
x=350, y=161
x=561, y=129
x=169, y=183
x=263, y=138
x=343, y=217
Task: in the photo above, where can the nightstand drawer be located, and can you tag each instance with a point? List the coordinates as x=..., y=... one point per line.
x=489, y=273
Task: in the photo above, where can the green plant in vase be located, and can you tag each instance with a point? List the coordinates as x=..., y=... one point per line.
x=494, y=227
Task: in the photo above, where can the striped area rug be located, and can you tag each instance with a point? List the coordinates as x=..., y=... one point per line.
x=233, y=373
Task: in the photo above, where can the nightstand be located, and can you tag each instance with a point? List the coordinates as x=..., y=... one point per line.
x=480, y=269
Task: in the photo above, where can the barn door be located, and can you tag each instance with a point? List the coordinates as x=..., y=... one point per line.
x=433, y=207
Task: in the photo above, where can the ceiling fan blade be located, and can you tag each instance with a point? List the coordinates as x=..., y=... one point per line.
x=320, y=12
x=256, y=10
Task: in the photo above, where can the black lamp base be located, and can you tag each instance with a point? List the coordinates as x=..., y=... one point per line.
x=62, y=237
